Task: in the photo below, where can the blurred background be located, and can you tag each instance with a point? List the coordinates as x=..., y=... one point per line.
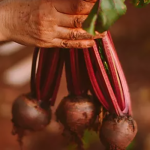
x=131, y=35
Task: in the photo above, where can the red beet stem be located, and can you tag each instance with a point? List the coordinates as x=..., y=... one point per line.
x=51, y=73
x=99, y=79
x=33, y=72
x=114, y=75
x=68, y=73
x=93, y=80
x=78, y=73
x=38, y=75
x=82, y=72
x=58, y=77
x=48, y=55
x=75, y=71
x=101, y=70
x=121, y=75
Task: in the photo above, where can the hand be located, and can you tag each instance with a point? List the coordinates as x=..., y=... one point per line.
x=46, y=23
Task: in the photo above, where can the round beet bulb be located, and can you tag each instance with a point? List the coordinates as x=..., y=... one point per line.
x=117, y=132
x=29, y=114
x=77, y=113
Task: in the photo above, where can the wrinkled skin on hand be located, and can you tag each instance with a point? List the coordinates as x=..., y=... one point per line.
x=46, y=23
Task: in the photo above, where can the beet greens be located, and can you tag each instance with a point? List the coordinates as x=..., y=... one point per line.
x=106, y=12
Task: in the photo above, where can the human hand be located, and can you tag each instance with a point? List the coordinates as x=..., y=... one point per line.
x=46, y=23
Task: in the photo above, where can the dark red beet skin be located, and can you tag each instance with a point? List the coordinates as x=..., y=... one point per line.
x=117, y=132
x=77, y=113
x=29, y=114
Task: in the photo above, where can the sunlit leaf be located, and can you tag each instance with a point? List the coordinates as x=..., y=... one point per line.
x=89, y=23
x=103, y=15
x=140, y=3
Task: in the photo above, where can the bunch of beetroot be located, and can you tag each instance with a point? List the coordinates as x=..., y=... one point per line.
x=94, y=77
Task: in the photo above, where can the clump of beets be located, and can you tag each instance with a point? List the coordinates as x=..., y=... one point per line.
x=30, y=114
x=117, y=132
x=77, y=113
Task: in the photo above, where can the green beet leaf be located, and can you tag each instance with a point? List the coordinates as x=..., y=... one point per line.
x=140, y=3
x=89, y=23
x=103, y=15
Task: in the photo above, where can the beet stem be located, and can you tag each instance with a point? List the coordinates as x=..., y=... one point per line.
x=38, y=75
x=51, y=73
x=121, y=75
x=74, y=71
x=58, y=77
x=48, y=55
x=102, y=71
x=93, y=80
x=33, y=72
x=114, y=74
x=68, y=72
x=83, y=80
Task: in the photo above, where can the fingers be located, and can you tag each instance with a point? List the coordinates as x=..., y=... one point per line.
x=76, y=34
x=71, y=21
x=73, y=34
x=74, y=6
x=73, y=44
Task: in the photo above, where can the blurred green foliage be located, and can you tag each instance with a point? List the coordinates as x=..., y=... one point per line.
x=140, y=3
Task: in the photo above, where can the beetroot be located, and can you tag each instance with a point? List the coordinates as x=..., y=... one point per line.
x=117, y=132
x=77, y=113
x=30, y=114
x=32, y=111
x=110, y=88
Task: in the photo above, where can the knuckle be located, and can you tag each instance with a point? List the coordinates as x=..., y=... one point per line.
x=77, y=22
x=64, y=44
x=41, y=36
x=74, y=35
x=45, y=35
x=40, y=29
x=40, y=32
x=79, y=35
x=78, y=45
